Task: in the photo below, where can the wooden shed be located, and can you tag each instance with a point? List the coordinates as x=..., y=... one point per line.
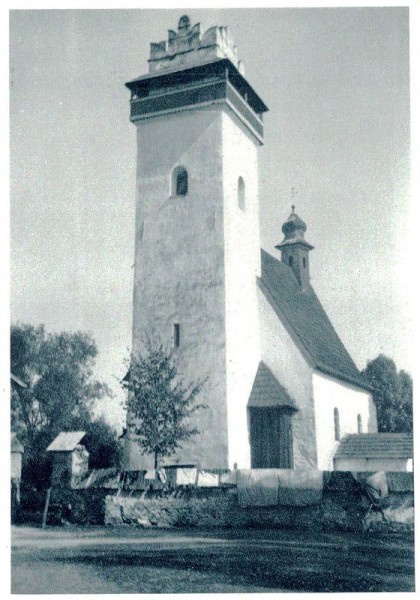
x=70, y=458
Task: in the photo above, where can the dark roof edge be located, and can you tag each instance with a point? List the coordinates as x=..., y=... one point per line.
x=303, y=243
x=159, y=74
x=337, y=375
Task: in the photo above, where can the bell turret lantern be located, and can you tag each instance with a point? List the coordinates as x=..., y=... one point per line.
x=295, y=249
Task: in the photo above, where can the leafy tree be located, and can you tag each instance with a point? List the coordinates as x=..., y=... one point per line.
x=159, y=401
x=393, y=395
x=102, y=443
x=61, y=392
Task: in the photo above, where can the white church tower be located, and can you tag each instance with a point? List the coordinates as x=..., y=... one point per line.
x=197, y=248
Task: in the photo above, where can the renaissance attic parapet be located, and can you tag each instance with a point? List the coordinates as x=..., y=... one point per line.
x=187, y=46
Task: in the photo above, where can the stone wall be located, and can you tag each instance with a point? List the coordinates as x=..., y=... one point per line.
x=203, y=508
x=342, y=507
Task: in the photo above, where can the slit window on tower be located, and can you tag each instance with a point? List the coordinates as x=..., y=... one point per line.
x=177, y=335
x=180, y=182
x=359, y=424
x=290, y=261
x=304, y=263
x=241, y=193
x=336, y=424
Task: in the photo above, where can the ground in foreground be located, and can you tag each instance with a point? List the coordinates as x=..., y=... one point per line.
x=129, y=560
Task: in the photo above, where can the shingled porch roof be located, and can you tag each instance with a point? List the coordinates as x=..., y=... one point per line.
x=267, y=391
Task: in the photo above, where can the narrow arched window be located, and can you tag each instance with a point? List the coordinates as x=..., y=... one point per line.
x=336, y=424
x=241, y=193
x=179, y=182
x=359, y=424
x=290, y=261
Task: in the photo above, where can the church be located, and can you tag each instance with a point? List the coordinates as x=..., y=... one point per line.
x=281, y=389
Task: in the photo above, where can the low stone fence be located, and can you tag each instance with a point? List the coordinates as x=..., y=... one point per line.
x=341, y=504
x=203, y=508
x=312, y=501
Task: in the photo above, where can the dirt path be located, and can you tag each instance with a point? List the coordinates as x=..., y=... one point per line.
x=129, y=560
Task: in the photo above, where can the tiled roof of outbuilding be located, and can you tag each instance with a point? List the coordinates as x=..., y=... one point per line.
x=267, y=391
x=376, y=445
x=306, y=321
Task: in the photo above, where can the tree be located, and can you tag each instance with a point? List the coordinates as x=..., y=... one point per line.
x=159, y=401
x=393, y=395
x=102, y=443
x=61, y=392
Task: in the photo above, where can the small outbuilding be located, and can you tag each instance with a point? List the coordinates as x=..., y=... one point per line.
x=16, y=451
x=375, y=452
x=70, y=458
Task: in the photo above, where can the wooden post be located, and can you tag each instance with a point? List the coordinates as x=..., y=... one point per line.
x=47, y=502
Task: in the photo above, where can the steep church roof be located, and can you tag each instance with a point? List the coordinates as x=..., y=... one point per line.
x=267, y=391
x=302, y=315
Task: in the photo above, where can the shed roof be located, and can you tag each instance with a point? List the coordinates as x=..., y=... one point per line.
x=66, y=441
x=15, y=445
x=376, y=445
x=303, y=316
x=267, y=391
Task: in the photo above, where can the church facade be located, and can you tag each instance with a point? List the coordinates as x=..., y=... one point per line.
x=281, y=389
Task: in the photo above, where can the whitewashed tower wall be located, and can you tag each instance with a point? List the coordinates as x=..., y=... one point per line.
x=197, y=255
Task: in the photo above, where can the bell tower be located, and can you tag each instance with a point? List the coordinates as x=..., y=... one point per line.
x=295, y=249
x=197, y=248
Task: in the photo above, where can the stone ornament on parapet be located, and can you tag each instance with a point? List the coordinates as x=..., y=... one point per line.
x=187, y=46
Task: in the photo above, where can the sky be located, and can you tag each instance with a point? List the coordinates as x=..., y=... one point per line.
x=336, y=81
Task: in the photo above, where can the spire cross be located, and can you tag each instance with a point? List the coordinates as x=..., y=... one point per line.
x=294, y=194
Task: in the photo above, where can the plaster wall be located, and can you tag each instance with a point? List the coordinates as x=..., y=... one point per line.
x=242, y=266
x=373, y=464
x=179, y=264
x=350, y=401
x=281, y=355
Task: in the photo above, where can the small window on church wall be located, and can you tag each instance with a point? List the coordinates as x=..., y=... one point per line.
x=359, y=424
x=304, y=263
x=241, y=193
x=177, y=335
x=179, y=182
x=336, y=424
x=290, y=261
